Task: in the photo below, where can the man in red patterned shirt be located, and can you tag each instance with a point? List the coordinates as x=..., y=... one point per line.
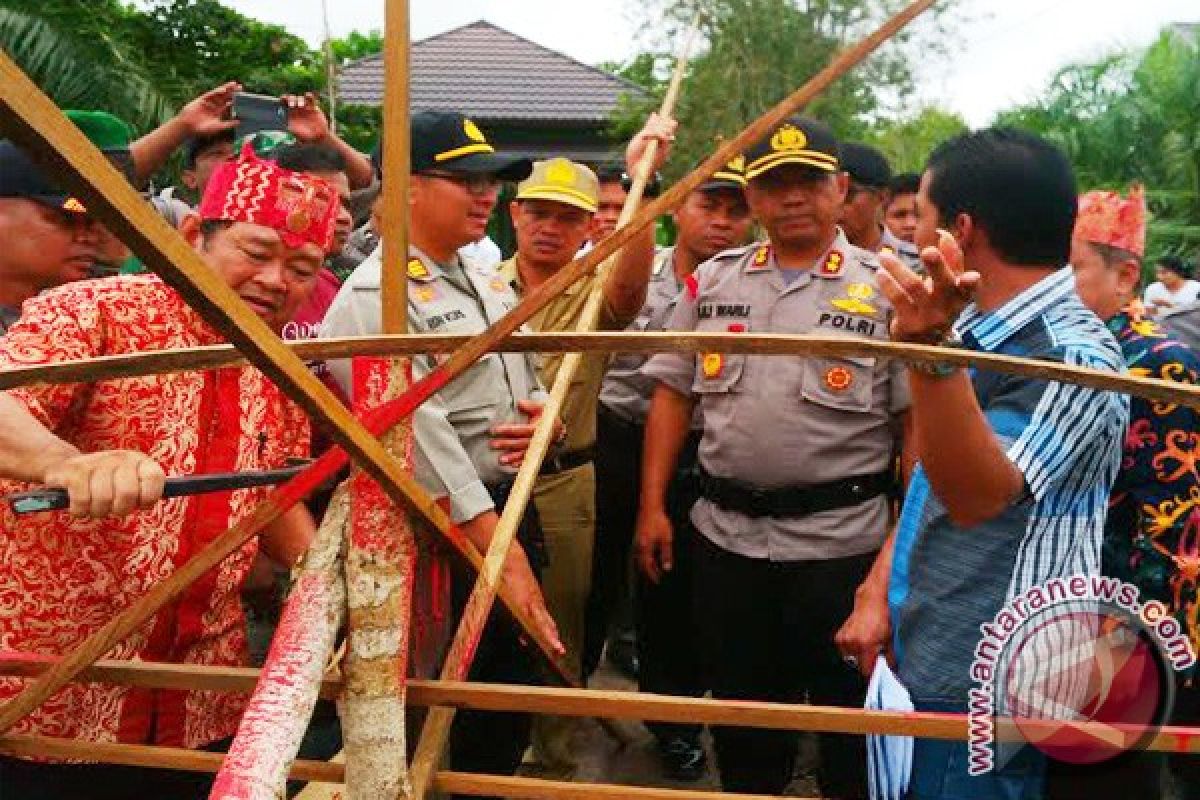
x=266, y=231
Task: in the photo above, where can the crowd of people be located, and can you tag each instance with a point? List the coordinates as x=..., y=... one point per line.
x=747, y=526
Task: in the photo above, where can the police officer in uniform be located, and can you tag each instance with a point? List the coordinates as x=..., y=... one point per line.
x=795, y=459
x=712, y=218
x=866, y=199
x=471, y=435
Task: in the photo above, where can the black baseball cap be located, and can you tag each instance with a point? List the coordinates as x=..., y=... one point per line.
x=448, y=141
x=21, y=178
x=866, y=165
x=730, y=176
x=799, y=140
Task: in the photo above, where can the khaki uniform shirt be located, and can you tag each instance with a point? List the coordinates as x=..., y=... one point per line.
x=563, y=314
x=775, y=421
x=627, y=389
x=453, y=454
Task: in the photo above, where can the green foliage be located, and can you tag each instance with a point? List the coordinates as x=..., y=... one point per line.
x=755, y=53
x=908, y=141
x=83, y=66
x=1133, y=117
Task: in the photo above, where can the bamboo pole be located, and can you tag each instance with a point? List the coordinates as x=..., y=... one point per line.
x=379, y=561
x=436, y=731
x=775, y=344
x=82, y=166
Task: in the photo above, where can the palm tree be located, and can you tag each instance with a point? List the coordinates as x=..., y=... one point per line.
x=78, y=71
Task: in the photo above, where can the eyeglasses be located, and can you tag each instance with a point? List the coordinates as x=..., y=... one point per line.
x=474, y=184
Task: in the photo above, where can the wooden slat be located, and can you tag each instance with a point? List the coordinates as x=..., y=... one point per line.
x=137, y=755
x=589, y=702
x=469, y=783
x=198, y=358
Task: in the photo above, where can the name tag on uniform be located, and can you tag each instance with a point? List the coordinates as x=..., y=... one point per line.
x=438, y=320
x=723, y=310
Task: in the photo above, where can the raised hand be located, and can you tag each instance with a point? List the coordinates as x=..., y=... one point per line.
x=926, y=307
x=208, y=114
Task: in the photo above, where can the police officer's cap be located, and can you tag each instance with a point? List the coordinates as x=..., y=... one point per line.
x=448, y=141
x=866, y=165
x=730, y=176
x=799, y=140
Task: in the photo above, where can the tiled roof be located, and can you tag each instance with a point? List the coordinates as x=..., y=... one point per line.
x=490, y=74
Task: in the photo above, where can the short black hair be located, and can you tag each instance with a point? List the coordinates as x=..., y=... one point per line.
x=211, y=227
x=1113, y=255
x=1016, y=186
x=905, y=183
x=198, y=144
x=866, y=165
x=610, y=172
x=309, y=157
x=1176, y=264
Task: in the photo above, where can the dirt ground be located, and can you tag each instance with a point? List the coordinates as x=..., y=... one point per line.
x=637, y=764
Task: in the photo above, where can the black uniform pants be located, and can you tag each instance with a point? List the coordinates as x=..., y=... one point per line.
x=769, y=629
x=491, y=742
x=1136, y=774
x=667, y=634
x=618, y=480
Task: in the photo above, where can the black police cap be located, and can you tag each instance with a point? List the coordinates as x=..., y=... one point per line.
x=799, y=140
x=866, y=165
x=448, y=141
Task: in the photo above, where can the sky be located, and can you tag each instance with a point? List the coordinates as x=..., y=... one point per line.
x=1003, y=53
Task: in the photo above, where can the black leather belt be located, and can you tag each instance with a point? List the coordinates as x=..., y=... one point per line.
x=565, y=461
x=791, y=501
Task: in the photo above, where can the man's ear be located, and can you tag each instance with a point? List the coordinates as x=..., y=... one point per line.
x=842, y=181
x=965, y=231
x=513, y=208
x=189, y=227
x=1129, y=278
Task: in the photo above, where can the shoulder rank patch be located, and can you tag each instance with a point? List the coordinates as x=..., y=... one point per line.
x=834, y=262
x=712, y=364
x=417, y=269
x=761, y=256
x=692, y=286
x=425, y=294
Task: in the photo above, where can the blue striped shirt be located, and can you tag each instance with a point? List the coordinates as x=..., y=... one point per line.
x=1066, y=441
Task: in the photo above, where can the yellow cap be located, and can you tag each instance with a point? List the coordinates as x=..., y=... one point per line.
x=562, y=181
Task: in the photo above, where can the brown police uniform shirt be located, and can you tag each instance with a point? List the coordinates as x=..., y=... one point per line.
x=777, y=421
x=563, y=314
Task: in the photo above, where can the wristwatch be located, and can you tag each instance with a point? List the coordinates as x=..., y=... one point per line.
x=939, y=369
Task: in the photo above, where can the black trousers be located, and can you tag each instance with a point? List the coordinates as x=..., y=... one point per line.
x=489, y=742
x=1135, y=774
x=667, y=634
x=768, y=635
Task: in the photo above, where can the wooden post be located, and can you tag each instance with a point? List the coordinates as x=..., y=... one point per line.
x=380, y=558
x=436, y=731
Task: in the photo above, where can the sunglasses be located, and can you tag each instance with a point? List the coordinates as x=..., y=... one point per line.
x=474, y=184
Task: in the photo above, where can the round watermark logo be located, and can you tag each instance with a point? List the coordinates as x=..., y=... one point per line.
x=1087, y=684
x=1079, y=668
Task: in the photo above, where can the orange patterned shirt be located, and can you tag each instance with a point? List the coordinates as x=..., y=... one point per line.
x=61, y=578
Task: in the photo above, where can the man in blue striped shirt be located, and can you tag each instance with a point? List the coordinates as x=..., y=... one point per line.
x=1014, y=472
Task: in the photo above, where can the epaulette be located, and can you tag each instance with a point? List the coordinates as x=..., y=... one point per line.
x=736, y=252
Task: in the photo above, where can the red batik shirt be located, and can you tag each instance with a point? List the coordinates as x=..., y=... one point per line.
x=61, y=578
